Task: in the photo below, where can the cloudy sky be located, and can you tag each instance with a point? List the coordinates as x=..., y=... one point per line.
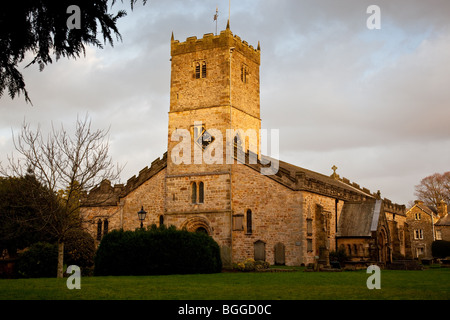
x=375, y=103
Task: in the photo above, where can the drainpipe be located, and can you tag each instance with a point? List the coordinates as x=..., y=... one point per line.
x=231, y=166
x=336, y=201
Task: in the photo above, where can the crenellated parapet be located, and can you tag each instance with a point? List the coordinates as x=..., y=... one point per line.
x=225, y=39
x=107, y=195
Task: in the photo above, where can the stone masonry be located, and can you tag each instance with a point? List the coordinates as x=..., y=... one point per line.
x=290, y=217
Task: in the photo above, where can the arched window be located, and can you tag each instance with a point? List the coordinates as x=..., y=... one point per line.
x=238, y=142
x=105, y=226
x=249, y=221
x=201, y=193
x=194, y=192
x=161, y=220
x=204, y=69
x=244, y=73
x=99, y=229
x=200, y=70
x=197, y=70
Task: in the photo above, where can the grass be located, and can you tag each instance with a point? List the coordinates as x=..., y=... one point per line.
x=424, y=285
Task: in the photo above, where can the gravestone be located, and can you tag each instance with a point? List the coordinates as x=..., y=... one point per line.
x=225, y=255
x=260, y=251
x=279, y=254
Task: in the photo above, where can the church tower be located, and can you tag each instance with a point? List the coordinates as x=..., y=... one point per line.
x=215, y=80
x=215, y=98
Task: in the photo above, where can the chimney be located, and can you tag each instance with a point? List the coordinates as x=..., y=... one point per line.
x=418, y=202
x=442, y=209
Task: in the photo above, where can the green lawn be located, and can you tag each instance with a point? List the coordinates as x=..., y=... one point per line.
x=427, y=284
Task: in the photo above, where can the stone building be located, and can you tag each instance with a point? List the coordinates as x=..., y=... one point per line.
x=426, y=224
x=215, y=184
x=442, y=227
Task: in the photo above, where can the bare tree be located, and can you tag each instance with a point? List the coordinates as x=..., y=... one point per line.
x=434, y=188
x=67, y=166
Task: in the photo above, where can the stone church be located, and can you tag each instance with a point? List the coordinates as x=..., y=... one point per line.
x=293, y=216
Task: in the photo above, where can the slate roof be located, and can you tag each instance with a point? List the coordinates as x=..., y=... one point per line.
x=444, y=221
x=291, y=176
x=359, y=219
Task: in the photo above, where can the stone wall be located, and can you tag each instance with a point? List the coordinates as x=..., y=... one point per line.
x=276, y=216
x=420, y=245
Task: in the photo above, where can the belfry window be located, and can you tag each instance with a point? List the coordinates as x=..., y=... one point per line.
x=200, y=69
x=197, y=70
x=204, y=69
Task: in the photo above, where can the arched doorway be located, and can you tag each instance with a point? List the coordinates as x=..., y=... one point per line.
x=383, y=246
x=201, y=230
x=197, y=224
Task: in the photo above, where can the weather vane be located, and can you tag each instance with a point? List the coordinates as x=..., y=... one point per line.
x=216, y=16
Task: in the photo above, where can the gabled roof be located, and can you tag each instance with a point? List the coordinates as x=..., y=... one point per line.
x=444, y=221
x=289, y=175
x=427, y=209
x=359, y=219
x=298, y=178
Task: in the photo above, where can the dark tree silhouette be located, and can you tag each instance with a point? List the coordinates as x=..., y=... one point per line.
x=434, y=189
x=66, y=167
x=41, y=27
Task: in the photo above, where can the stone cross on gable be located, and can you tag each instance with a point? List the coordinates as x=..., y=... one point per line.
x=334, y=175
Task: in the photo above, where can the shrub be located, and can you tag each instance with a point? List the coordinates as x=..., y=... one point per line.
x=440, y=249
x=157, y=251
x=339, y=255
x=251, y=265
x=39, y=261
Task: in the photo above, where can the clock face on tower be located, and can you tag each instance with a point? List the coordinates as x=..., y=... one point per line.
x=202, y=137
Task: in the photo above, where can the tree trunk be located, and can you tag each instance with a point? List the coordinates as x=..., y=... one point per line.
x=60, y=271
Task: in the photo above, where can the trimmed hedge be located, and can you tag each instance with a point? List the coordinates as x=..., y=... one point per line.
x=156, y=251
x=440, y=249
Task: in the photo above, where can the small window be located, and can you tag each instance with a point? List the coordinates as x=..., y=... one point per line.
x=249, y=221
x=438, y=235
x=418, y=234
x=197, y=70
x=105, y=226
x=419, y=251
x=417, y=216
x=201, y=192
x=198, y=196
x=244, y=73
x=99, y=229
x=309, y=227
x=204, y=69
x=194, y=192
x=309, y=245
x=161, y=220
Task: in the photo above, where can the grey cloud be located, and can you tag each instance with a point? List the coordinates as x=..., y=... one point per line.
x=339, y=93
